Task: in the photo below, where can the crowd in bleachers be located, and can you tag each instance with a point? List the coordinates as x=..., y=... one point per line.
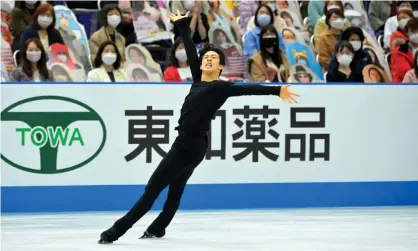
x=263, y=41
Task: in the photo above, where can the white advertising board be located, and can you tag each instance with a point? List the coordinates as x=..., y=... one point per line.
x=81, y=135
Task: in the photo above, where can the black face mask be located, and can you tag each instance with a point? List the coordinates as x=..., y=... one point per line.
x=269, y=42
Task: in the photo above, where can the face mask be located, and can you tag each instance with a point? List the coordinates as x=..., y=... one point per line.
x=413, y=38
x=263, y=19
x=272, y=6
x=44, y=21
x=31, y=2
x=181, y=55
x=415, y=13
x=403, y=22
x=63, y=58
x=109, y=58
x=33, y=56
x=333, y=7
x=338, y=24
x=404, y=8
x=356, y=45
x=188, y=4
x=269, y=42
x=113, y=20
x=345, y=60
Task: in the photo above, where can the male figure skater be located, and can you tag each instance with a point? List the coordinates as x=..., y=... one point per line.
x=207, y=94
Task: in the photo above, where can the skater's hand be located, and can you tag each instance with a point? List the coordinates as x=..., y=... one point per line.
x=174, y=18
x=286, y=95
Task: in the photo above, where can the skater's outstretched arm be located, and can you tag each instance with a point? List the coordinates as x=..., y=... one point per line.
x=257, y=89
x=191, y=52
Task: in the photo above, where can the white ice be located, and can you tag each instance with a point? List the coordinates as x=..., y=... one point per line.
x=353, y=229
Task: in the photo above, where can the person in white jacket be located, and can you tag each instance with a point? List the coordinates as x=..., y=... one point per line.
x=108, y=65
x=392, y=25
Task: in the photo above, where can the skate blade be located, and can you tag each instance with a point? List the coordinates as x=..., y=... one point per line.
x=101, y=241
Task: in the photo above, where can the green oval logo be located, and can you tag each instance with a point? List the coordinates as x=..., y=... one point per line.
x=50, y=130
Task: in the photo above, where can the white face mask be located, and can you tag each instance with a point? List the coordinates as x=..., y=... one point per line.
x=356, y=45
x=31, y=2
x=413, y=38
x=63, y=58
x=188, y=4
x=403, y=22
x=109, y=58
x=33, y=56
x=344, y=60
x=44, y=21
x=333, y=7
x=338, y=24
x=114, y=20
x=181, y=55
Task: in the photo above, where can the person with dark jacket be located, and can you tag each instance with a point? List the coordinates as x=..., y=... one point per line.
x=340, y=70
x=355, y=36
x=43, y=28
x=21, y=17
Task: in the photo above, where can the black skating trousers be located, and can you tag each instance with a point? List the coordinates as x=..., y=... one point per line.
x=174, y=171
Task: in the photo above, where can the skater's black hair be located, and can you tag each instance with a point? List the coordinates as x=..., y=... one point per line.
x=211, y=47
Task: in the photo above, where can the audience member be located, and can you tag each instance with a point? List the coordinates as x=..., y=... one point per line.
x=269, y=64
x=111, y=19
x=325, y=46
x=402, y=59
x=32, y=64
x=198, y=22
x=340, y=70
x=264, y=17
x=21, y=17
x=178, y=69
x=321, y=24
x=361, y=58
x=392, y=24
x=412, y=75
x=400, y=36
x=107, y=64
x=43, y=28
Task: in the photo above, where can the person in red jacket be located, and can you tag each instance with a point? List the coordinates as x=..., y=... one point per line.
x=178, y=69
x=402, y=59
x=399, y=36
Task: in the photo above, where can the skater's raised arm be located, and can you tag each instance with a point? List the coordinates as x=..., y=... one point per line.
x=191, y=52
x=257, y=89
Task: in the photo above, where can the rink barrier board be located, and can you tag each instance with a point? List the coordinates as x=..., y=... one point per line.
x=34, y=199
x=30, y=199
x=189, y=83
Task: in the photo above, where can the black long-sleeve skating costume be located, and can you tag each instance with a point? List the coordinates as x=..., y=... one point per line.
x=190, y=146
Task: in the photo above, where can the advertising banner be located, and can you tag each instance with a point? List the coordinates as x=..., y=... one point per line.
x=117, y=134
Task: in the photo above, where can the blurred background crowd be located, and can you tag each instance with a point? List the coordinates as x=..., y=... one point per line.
x=264, y=41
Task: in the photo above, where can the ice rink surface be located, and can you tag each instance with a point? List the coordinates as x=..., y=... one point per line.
x=352, y=229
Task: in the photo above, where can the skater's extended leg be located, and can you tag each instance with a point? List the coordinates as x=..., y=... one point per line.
x=168, y=170
x=175, y=192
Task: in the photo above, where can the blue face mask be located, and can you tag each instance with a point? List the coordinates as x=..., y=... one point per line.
x=302, y=61
x=263, y=19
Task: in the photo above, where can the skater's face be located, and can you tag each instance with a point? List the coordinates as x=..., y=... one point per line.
x=211, y=62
